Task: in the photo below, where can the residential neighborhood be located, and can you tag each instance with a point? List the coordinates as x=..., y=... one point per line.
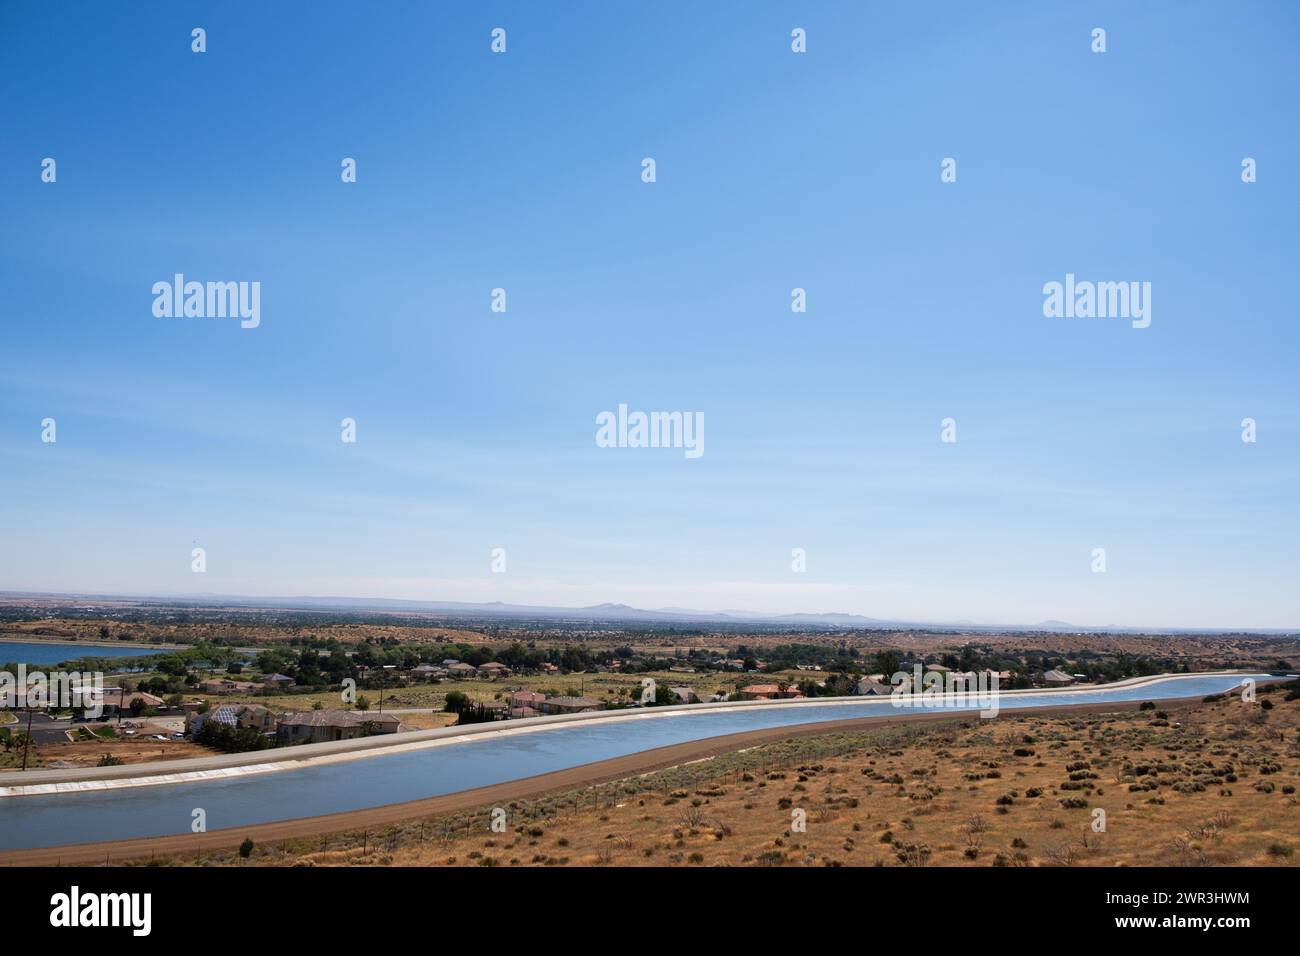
x=286, y=696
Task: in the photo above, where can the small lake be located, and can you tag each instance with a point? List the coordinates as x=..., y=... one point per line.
x=48, y=652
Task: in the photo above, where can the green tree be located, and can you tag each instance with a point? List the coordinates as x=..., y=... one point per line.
x=887, y=663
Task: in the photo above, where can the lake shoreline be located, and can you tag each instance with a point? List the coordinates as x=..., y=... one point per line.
x=161, y=648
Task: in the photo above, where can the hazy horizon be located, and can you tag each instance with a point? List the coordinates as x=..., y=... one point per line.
x=441, y=606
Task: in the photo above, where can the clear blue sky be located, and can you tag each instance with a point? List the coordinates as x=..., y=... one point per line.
x=775, y=170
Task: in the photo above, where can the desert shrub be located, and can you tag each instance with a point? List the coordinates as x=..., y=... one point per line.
x=1063, y=855
x=232, y=740
x=692, y=818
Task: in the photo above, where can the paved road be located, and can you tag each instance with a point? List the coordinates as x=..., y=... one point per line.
x=45, y=729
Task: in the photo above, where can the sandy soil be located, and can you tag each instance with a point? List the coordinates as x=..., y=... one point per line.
x=129, y=751
x=424, y=720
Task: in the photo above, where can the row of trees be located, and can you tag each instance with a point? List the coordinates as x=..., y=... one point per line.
x=230, y=739
x=843, y=669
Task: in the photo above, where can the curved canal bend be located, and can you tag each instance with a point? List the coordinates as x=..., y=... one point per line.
x=87, y=816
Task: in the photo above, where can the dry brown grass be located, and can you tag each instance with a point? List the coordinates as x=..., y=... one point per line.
x=427, y=721
x=130, y=750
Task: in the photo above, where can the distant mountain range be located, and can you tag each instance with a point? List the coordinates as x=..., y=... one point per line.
x=618, y=614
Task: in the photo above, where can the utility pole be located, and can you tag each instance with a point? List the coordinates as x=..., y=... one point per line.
x=27, y=740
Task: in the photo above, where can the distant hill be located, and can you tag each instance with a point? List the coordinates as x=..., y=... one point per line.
x=614, y=614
